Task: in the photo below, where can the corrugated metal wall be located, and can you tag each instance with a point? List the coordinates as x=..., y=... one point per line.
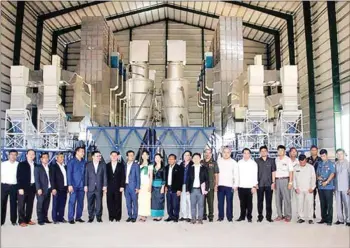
x=323, y=75
x=155, y=33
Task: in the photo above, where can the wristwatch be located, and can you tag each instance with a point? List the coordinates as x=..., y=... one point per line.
x=290, y=183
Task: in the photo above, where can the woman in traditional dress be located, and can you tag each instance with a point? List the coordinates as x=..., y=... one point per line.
x=157, y=205
x=146, y=171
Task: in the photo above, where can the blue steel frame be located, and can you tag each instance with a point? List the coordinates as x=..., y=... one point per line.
x=146, y=140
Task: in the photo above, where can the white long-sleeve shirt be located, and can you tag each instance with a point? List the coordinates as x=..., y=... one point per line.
x=227, y=168
x=247, y=176
x=9, y=172
x=304, y=177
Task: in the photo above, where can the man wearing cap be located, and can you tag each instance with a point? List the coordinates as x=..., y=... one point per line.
x=314, y=160
x=342, y=186
x=325, y=179
x=304, y=185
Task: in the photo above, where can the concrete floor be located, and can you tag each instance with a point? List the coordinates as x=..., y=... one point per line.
x=162, y=234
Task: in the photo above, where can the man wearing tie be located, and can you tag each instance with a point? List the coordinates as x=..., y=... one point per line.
x=75, y=180
x=95, y=186
x=59, y=189
x=9, y=187
x=43, y=187
x=132, y=186
x=115, y=185
x=26, y=189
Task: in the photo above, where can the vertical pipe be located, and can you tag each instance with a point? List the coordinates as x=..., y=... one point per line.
x=38, y=42
x=310, y=69
x=333, y=38
x=54, y=43
x=18, y=33
x=166, y=46
x=65, y=66
x=290, y=29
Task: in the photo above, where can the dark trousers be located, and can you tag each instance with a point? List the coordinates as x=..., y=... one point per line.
x=209, y=199
x=173, y=205
x=225, y=192
x=315, y=193
x=95, y=204
x=76, y=199
x=326, y=201
x=25, y=204
x=6, y=191
x=268, y=202
x=114, y=204
x=131, y=199
x=42, y=205
x=58, y=205
x=246, y=202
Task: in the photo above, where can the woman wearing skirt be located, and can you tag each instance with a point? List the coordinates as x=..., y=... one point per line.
x=157, y=205
x=146, y=171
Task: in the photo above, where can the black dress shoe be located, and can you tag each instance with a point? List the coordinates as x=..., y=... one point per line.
x=71, y=222
x=56, y=222
x=80, y=220
x=311, y=222
x=182, y=219
x=128, y=220
x=239, y=219
x=41, y=223
x=14, y=224
x=188, y=220
x=229, y=220
x=99, y=220
x=133, y=220
x=300, y=221
x=48, y=222
x=210, y=220
x=90, y=220
x=260, y=219
x=219, y=220
x=314, y=216
x=347, y=224
x=329, y=224
x=339, y=223
x=205, y=218
x=168, y=220
x=269, y=220
x=63, y=221
x=321, y=222
x=176, y=220
x=117, y=220
x=250, y=220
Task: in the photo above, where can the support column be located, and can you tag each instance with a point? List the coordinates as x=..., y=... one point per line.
x=333, y=39
x=166, y=47
x=310, y=69
x=38, y=42
x=18, y=33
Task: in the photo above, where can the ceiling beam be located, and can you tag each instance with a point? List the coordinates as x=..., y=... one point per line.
x=64, y=11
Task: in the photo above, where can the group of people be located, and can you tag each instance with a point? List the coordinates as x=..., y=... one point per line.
x=188, y=188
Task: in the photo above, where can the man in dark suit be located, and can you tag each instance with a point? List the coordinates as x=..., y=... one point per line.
x=59, y=189
x=132, y=186
x=95, y=185
x=174, y=176
x=43, y=187
x=115, y=185
x=26, y=189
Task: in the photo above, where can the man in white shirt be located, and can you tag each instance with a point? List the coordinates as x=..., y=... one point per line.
x=43, y=187
x=227, y=168
x=59, y=189
x=9, y=187
x=284, y=184
x=246, y=182
x=304, y=185
x=26, y=189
